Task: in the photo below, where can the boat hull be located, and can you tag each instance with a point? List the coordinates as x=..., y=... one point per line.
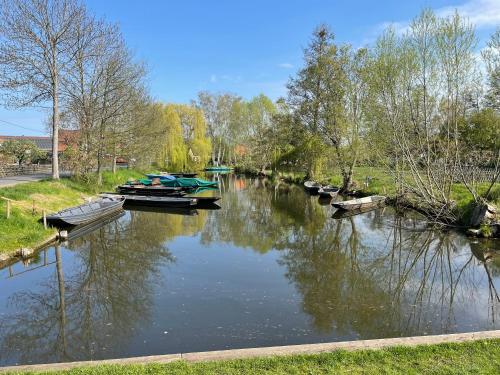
x=312, y=187
x=360, y=203
x=155, y=201
x=158, y=191
x=328, y=192
x=86, y=213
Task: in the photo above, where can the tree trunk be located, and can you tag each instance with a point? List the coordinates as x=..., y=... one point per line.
x=55, y=130
x=218, y=152
x=114, y=164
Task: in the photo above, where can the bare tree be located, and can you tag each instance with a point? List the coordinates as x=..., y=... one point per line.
x=103, y=88
x=37, y=46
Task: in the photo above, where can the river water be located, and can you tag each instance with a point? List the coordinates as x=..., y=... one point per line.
x=271, y=267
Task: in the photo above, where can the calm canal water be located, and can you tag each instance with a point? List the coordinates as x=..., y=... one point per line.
x=271, y=267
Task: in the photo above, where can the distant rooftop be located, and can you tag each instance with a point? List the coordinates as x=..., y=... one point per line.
x=66, y=137
x=43, y=143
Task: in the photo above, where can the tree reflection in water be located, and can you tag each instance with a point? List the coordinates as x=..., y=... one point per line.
x=106, y=297
x=407, y=287
x=374, y=275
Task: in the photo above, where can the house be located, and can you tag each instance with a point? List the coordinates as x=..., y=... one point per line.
x=67, y=138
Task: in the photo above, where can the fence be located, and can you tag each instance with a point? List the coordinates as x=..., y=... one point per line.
x=19, y=170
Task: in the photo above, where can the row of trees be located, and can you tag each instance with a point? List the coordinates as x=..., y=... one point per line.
x=56, y=54
x=240, y=130
x=417, y=103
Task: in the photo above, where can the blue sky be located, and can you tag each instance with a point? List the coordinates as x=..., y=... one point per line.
x=244, y=47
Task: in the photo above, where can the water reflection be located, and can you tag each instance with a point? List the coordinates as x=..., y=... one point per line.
x=103, y=298
x=374, y=275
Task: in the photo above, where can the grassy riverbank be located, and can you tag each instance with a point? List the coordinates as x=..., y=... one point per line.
x=480, y=357
x=23, y=228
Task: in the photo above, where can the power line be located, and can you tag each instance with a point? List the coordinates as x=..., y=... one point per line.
x=22, y=127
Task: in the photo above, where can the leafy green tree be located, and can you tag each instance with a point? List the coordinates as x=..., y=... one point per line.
x=174, y=151
x=259, y=131
x=327, y=99
x=21, y=150
x=194, y=128
x=482, y=130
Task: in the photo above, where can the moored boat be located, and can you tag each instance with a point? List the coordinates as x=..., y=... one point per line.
x=312, y=186
x=342, y=214
x=328, y=191
x=186, y=174
x=218, y=168
x=189, y=183
x=86, y=213
x=155, y=200
x=361, y=203
x=157, y=190
x=161, y=176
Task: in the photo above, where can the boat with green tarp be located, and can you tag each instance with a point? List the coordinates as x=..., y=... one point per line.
x=189, y=183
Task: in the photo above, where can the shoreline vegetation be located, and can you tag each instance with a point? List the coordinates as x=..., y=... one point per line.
x=376, y=181
x=480, y=357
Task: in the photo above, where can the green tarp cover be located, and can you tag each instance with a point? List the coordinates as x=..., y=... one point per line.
x=189, y=182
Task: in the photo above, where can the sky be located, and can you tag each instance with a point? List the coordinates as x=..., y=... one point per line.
x=244, y=47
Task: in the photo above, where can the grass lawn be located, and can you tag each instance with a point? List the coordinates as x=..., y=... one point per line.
x=479, y=357
x=23, y=229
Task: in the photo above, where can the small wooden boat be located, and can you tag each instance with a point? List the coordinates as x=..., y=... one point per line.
x=189, y=183
x=343, y=214
x=87, y=212
x=328, y=191
x=157, y=190
x=312, y=187
x=146, y=200
x=221, y=168
x=361, y=203
x=188, y=175
x=205, y=201
x=160, y=176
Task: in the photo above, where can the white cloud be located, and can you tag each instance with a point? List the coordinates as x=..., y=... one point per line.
x=285, y=65
x=481, y=13
x=213, y=78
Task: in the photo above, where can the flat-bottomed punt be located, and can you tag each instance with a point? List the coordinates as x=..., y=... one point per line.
x=187, y=174
x=146, y=200
x=87, y=212
x=156, y=190
x=218, y=169
x=312, y=186
x=361, y=203
x=328, y=191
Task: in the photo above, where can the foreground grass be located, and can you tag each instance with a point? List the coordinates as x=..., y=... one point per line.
x=23, y=228
x=480, y=357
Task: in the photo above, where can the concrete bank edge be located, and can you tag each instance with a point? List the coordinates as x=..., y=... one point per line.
x=268, y=351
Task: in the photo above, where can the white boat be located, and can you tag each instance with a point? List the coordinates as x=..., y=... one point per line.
x=361, y=203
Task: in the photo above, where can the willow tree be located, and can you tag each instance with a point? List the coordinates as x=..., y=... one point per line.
x=174, y=151
x=194, y=128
